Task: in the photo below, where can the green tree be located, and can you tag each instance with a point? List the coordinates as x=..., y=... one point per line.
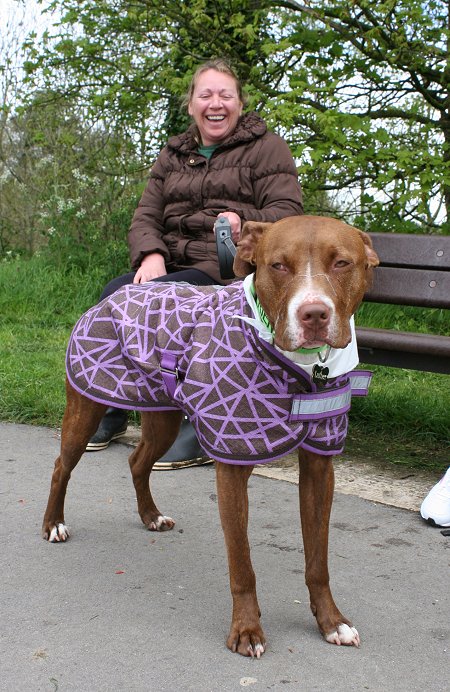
x=128, y=63
x=56, y=183
x=370, y=96
x=360, y=90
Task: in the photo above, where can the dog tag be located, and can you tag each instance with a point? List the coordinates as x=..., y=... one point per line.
x=320, y=375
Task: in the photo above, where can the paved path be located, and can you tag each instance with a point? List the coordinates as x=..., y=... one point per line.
x=118, y=608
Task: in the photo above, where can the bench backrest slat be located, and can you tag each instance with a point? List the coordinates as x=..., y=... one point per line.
x=406, y=250
x=424, y=288
x=414, y=270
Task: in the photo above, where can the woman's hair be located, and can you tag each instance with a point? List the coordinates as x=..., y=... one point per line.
x=219, y=65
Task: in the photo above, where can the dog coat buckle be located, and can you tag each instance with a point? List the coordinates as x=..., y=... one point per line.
x=169, y=372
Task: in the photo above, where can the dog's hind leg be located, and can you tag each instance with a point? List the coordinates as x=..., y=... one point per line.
x=246, y=635
x=81, y=419
x=159, y=431
x=316, y=498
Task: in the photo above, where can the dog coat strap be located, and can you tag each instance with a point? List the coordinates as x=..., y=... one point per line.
x=169, y=372
x=360, y=381
x=317, y=405
x=330, y=402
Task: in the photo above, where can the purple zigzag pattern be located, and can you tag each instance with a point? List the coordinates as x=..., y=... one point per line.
x=237, y=396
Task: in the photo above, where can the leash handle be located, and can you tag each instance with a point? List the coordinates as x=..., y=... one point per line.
x=226, y=250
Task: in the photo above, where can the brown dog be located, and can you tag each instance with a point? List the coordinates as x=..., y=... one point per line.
x=310, y=276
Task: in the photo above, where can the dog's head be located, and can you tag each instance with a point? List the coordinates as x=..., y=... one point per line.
x=311, y=275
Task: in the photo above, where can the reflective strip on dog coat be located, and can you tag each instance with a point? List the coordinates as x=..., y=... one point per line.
x=176, y=346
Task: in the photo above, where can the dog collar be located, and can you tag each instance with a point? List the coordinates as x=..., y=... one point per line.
x=265, y=320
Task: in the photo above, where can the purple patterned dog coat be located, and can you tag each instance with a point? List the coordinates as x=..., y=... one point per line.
x=176, y=346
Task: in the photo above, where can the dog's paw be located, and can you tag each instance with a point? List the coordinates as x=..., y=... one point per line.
x=345, y=635
x=252, y=644
x=162, y=523
x=58, y=534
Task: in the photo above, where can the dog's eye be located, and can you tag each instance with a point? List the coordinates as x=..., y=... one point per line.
x=340, y=264
x=279, y=267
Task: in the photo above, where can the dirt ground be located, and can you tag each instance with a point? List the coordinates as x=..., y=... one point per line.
x=384, y=483
x=393, y=486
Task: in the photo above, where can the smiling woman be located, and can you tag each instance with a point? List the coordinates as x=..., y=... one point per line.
x=226, y=163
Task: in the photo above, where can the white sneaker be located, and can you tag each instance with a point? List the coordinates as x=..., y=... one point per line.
x=436, y=507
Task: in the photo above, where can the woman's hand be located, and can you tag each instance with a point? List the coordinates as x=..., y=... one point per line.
x=235, y=223
x=152, y=266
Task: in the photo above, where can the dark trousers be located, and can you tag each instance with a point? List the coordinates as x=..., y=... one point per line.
x=190, y=276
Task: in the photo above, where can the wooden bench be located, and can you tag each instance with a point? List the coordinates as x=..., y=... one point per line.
x=414, y=270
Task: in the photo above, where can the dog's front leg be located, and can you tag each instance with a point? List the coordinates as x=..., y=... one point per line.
x=316, y=498
x=246, y=636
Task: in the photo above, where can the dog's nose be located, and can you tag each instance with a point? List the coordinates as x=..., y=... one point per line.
x=314, y=314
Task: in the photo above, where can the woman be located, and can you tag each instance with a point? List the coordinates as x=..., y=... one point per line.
x=225, y=164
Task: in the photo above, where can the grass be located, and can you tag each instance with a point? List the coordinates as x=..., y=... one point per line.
x=38, y=306
x=404, y=318
x=404, y=420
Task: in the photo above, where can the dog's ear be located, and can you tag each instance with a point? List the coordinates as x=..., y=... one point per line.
x=245, y=259
x=372, y=257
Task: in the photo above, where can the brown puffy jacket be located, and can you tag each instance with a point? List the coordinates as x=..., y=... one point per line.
x=251, y=173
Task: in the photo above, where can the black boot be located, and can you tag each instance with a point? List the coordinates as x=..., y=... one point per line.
x=184, y=452
x=112, y=426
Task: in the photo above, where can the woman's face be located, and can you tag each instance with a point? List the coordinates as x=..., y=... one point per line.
x=215, y=106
